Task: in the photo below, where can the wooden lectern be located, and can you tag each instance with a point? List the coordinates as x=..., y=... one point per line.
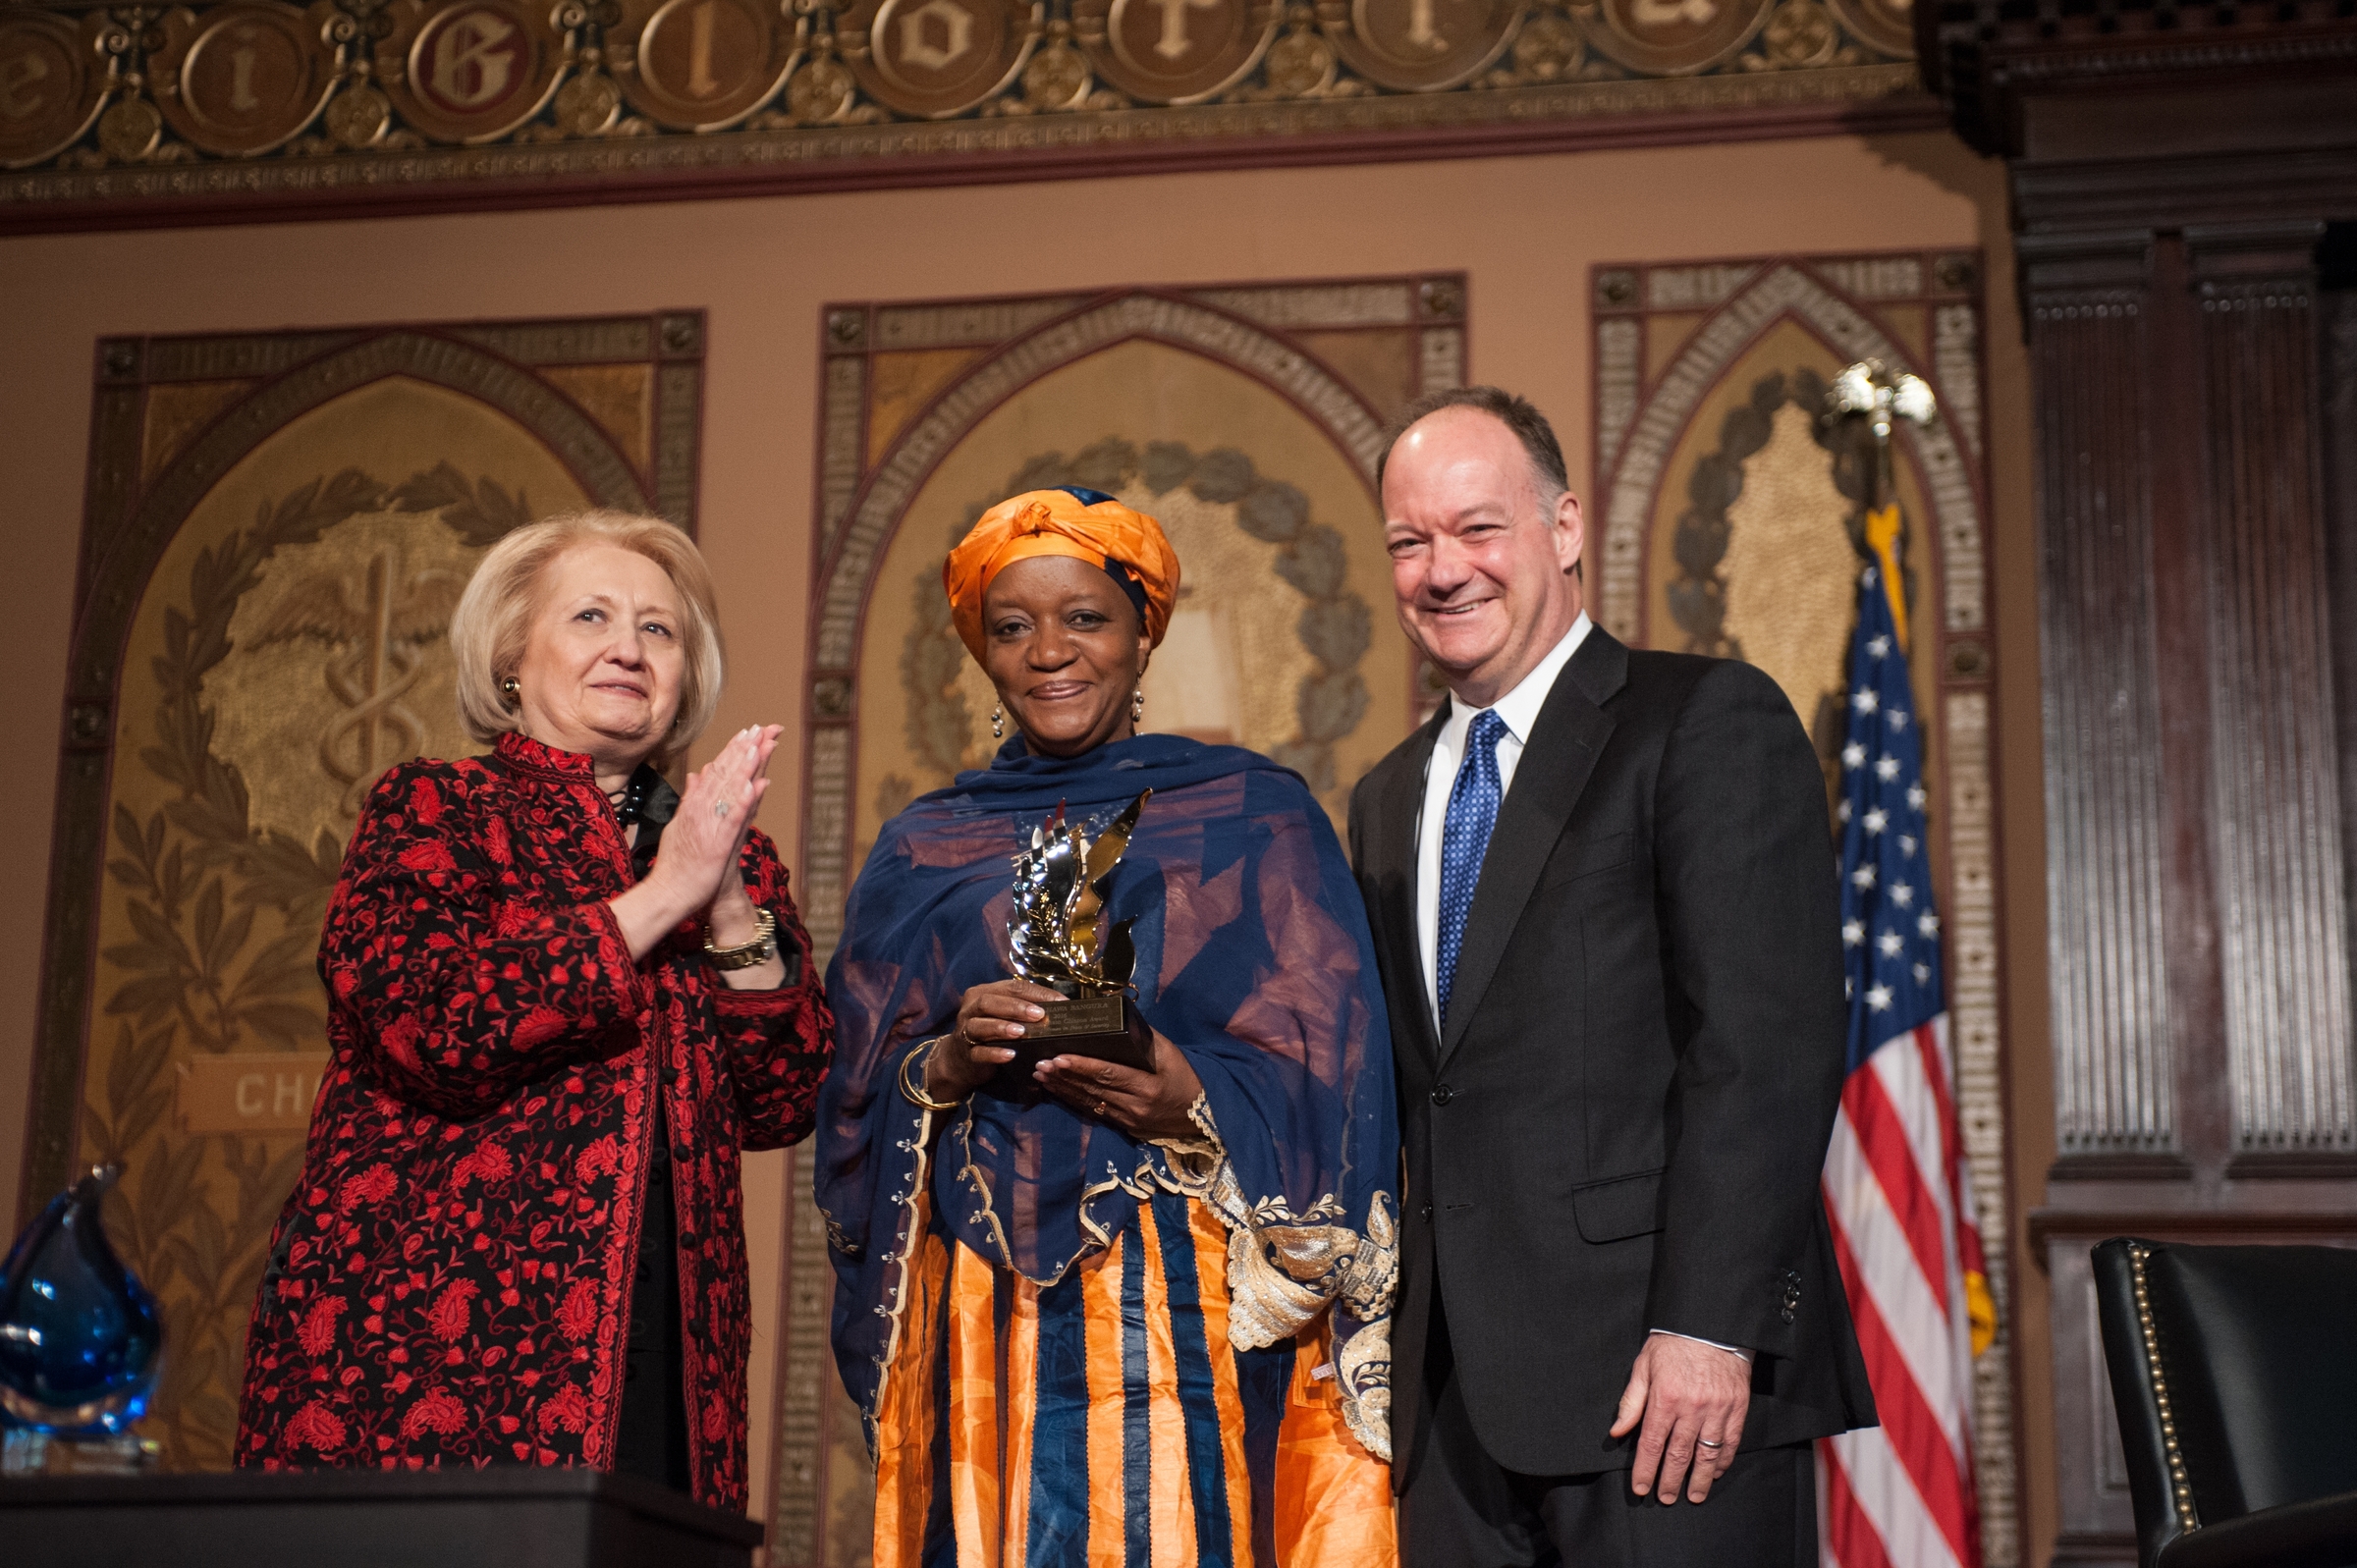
x=510, y=1517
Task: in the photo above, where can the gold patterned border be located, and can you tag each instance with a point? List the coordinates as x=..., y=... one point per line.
x=238, y=109
x=1641, y=415
x=130, y=515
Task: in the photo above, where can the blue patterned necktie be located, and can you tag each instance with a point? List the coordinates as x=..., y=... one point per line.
x=1464, y=839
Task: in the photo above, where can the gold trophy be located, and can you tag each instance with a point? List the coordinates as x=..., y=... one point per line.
x=1061, y=883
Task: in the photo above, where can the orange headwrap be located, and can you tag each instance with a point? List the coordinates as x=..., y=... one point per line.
x=1057, y=522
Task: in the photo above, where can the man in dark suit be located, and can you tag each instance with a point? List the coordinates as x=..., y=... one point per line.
x=1601, y=886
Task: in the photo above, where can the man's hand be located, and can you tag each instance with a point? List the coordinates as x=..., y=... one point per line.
x=1690, y=1396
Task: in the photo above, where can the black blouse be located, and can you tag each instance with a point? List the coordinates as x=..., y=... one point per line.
x=651, y=1438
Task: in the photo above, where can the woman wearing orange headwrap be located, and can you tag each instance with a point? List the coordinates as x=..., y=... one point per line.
x=1096, y=1315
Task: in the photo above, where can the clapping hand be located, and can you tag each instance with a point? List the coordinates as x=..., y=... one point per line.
x=695, y=870
x=707, y=833
x=714, y=817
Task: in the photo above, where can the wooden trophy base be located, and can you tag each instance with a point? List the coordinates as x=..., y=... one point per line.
x=1108, y=1028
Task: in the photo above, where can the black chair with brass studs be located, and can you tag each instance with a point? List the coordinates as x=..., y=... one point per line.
x=2236, y=1373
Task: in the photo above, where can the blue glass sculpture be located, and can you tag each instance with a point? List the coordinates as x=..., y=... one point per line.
x=78, y=1334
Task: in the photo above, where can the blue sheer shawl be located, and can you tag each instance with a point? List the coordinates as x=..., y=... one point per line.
x=1253, y=958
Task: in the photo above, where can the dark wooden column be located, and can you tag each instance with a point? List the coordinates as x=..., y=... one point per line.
x=2175, y=171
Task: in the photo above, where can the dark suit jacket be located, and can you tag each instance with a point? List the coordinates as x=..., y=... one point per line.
x=1622, y=1123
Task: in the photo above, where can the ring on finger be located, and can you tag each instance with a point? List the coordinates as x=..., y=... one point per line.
x=1707, y=1443
x=1097, y=1109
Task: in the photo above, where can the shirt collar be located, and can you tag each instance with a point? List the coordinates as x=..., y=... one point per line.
x=1520, y=708
x=537, y=756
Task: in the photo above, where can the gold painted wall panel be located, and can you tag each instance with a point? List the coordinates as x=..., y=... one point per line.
x=1235, y=613
x=1246, y=420
x=1380, y=366
x=619, y=397
x=175, y=413
x=1790, y=619
x=284, y=574
x=1727, y=521
x=258, y=706
x=904, y=384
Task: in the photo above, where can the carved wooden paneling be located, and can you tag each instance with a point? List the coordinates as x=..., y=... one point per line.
x=2278, y=851
x=2337, y=376
x=2113, y=1090
x=2172, y=172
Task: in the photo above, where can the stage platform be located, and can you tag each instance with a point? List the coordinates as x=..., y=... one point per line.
x=510, y=1517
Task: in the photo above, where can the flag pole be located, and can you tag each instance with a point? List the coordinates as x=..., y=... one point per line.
x=1871, y=391
x=1897, y=1189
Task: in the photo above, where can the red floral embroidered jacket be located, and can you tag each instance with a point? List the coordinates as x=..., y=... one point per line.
x=449, y=1281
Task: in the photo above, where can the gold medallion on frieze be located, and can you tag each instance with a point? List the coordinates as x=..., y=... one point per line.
x=1173, y=51
x=936, y=58
x=1426, y=45
x=358, y=117
x=820, y=91
x=1673, y=37
x=702, y=65
x=51, y=82
x=130, y=130
x=475, y=70
x=1885, y=24
x=249, y=77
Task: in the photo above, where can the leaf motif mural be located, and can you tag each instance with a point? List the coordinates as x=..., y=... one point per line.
x=262, y=634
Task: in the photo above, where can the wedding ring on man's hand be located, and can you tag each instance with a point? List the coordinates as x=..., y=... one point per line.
x=1707, y=1443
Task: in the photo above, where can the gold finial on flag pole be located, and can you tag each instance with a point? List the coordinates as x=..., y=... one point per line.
x=1869, y=389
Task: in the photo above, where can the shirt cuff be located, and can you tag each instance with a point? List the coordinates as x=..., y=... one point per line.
x=1732, y=1350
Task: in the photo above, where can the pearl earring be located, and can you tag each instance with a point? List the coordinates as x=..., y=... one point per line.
x=1137, y=705
x=998, y=722
x=510, y=686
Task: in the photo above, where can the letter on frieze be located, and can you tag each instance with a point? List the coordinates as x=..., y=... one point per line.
x=472, y=59
x=19, y=78
x=1173, y=44
x=936, y=35
x=1668, y=13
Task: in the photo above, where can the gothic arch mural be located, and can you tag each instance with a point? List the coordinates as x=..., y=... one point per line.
x=1248, y=421
x=1724, y=515
x=276, y=531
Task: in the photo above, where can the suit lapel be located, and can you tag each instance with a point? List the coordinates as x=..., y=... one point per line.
x=1565, y=744
x=1392, y=846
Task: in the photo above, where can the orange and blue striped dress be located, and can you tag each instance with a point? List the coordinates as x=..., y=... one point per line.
x=1106, y=1422
x=1079, y=1348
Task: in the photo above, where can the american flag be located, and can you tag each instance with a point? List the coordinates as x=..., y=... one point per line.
x=1897, y=1187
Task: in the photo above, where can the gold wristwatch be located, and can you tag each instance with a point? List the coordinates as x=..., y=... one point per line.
x=745, y=954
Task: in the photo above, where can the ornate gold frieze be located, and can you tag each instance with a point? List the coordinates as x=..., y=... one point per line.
x=245, y=99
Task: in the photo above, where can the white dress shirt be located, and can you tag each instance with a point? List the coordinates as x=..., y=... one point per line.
x=1519, y=710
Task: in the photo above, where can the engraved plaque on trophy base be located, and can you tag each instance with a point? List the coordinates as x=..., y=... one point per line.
x=1108, y=1028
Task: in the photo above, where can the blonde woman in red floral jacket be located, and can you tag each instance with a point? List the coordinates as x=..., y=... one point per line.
x=563, y=1001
